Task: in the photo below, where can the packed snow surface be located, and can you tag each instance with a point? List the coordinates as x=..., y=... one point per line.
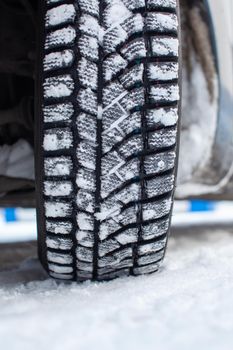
x=187, y=305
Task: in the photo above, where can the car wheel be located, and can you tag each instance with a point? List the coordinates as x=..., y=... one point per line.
x=106, y=136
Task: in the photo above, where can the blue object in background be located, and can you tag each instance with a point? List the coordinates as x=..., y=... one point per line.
x=10, y=215
x=202, y=205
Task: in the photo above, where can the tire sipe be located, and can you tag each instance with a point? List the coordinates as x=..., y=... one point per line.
x=106, y=135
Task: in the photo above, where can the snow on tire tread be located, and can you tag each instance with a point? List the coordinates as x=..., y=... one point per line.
x=110, y=111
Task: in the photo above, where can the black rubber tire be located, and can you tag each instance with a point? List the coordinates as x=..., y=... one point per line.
x=107, y=131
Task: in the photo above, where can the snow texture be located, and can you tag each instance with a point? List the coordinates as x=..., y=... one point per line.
x=187, y=305
x=61, y=14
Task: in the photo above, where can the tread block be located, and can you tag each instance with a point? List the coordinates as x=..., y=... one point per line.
x=105, y=271
x=85, y=267
x=59, y=227
x=162, y=185
x=155, y=210
x=54, y=209
x=155, y=229
x=58, y=87
x=129, y=194
x=87, y=101
x=85, y=238
x=60, y=59
x=128, y=236
x=133, y=24
x=86, y=155
x=89, y=47
x=58, y=188
x=58, y=166
x=113, y=38
x=128, y=216
x=89, y=25
x=85, y=221
x=111, y=163
x=158, y=163
x=60, y=15
x=108, y=227
x=61, y=37
x=115, y=13
x=132, y=76
x=86, y=179
x=132, y=146
x=117, y=259
x=59, y=243
x=162, y=22
x=157, y=4
x=149, y=248
x=111, y=182
x=59, y=258
x=60, y=268
x=166, y=116
x=113, y=274
x=84, y=254
x=162, y=138
x=113, y=93
x=163, y=71
x=134, y=4
x=161, y=93
x=150, y=258
x=58, y=112
x=86, y=125
x=85, y=201
x=134, y=99
x=88, y=73
x=141, y=270
x=57, y=139
x=60, y=276
x=91, y=7
x=112, y=116
x=113, y=65
x=107, y=247
x=134, y=50
x=165, y=46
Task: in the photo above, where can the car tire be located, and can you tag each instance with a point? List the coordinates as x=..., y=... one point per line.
x=106, y=135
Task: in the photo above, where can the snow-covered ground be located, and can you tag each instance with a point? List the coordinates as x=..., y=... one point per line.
x=187, y=305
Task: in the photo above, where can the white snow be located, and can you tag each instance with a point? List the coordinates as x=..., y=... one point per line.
x=84, y=221
x=58, y=59
x=58, y=166
x=61, y=86
x=59, y=243
x=165, y=46
x=57, y=209
x=57, y=188
x=163, y=71
x=107, y=213
x=163, y=116
x=60, y=37
x=60, y=14
x=169, y=93
x=59, y=258
x=116, y=13
x=187, y=305
x=162, y=21
x=55, y=139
